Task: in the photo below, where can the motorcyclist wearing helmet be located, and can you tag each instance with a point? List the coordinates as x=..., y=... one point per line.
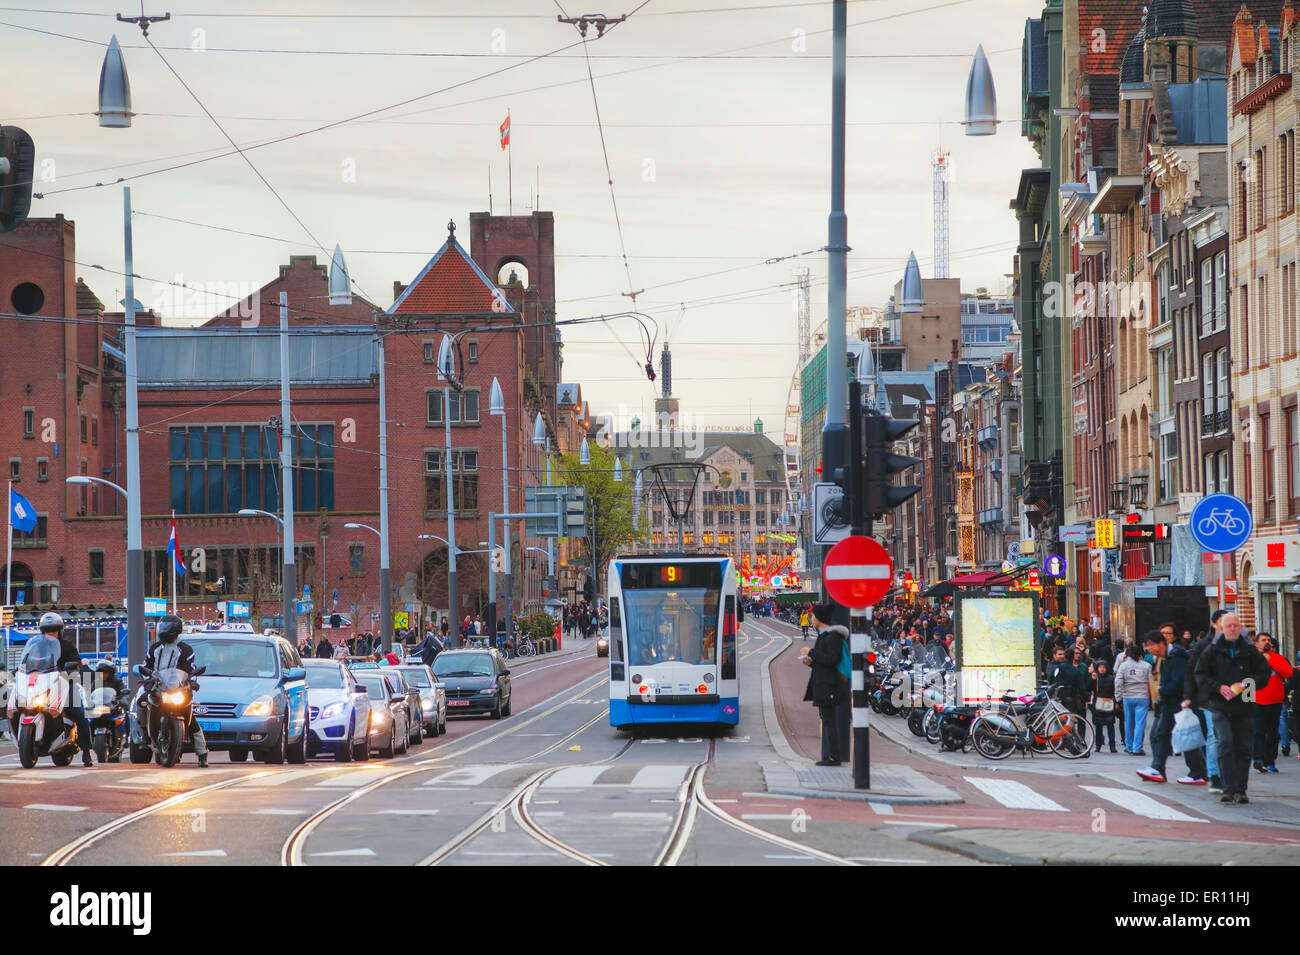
x=52, y=625
x=106, y=676
x=171, y=651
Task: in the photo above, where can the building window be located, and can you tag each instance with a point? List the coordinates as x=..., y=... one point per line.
x=356, y=553
x=1266, y=447
x=464, y=406
x=15, y=469
x=473, y=351
x=428, y=352
x=96, y=566
x=219, y=469
x=83, y=429
x=29, y=422
x=36, y=538
x=1293, y=461
x=94, y=430
x=760, y=519
x=464, y=475
x=42, y=469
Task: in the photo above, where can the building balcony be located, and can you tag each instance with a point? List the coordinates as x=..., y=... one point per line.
x=987, y=437
x=991, y=519
x=995, y=466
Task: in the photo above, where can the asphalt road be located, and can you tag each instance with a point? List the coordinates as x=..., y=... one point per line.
x=553, y=784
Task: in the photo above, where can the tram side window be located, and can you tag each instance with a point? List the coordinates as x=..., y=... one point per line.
x=729, y=640
x=615, y=640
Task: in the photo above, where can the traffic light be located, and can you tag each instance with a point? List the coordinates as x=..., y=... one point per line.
x=879, y=432
x=17, y=168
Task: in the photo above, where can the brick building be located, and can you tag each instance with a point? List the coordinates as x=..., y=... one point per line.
x=209, y=407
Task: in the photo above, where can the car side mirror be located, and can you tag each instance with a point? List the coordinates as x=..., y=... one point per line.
x=295, y=673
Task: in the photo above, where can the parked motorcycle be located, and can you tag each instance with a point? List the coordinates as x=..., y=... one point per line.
x=38, y=704
x=167, y=701
x=107, y=716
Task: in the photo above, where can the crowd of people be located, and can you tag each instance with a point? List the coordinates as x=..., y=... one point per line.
x=1239, y=690
x=584, y=620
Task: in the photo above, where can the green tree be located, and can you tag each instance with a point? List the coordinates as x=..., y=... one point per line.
x=610, y=502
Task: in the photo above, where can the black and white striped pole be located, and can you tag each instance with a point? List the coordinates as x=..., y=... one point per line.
x=859, y=645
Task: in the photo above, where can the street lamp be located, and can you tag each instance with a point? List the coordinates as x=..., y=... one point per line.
x=981, y=99
x=497, y=406
x=86, y=479
x=447, y=375
x=254, y=512
x=114, y=89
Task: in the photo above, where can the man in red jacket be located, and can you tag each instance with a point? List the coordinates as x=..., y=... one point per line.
x=1268, y=706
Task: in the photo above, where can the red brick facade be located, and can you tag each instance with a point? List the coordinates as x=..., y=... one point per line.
x=64, y=375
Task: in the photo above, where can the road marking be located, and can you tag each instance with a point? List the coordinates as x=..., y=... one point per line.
x=51, y=807
x=575, y=777
x=471, y=775
x=674, y=800
x=351, y=780
x=767, y=796
x=480, y=852
x=407, y=812
x=21, y=782
x=1140, y=804
x=549, y=812
x=883, y=859
x=543, y=802
x=344, y=852
x=905, y=822
x=881, y=808
x=641, y=815
x=667, y=776
x=769, y=816
x=197, y=853
x=1014, y=795
x=279, y=812
x=774, y=855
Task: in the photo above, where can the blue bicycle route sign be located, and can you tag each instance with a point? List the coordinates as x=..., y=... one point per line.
x=1221, y=523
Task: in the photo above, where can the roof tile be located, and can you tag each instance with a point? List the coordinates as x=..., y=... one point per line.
x=450, y=284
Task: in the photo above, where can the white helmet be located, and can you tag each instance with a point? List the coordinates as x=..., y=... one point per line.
x=51, y=622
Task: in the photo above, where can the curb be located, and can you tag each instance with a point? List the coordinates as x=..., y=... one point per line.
x=785, y=752
x=938, y=839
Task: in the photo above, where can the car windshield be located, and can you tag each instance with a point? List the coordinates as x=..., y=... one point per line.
x=463, y=664
x=672, y=625
x=246, y=658
x=41, y=654
x=417, y=676
x=376, y=686
x=324, y=677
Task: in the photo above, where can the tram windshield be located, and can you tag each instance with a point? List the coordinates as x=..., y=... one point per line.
x=670, y=614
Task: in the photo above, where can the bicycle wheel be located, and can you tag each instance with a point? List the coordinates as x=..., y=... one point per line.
x=1071, y=736
x=987, y=740
x=930, y=726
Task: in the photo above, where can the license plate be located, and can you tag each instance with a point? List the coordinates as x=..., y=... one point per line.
x=210, y=726
x=458, y=702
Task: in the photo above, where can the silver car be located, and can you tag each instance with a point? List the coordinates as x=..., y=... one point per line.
x=433, y=696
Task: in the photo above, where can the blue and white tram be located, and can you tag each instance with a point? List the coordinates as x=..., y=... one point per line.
x=672, y=640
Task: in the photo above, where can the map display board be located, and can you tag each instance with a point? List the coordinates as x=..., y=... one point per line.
x=994, y=644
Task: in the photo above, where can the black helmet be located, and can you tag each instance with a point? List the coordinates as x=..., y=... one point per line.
x=169, y=628
x=51, y=622
x=106, y=667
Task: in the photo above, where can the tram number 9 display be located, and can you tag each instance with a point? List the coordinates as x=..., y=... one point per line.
x=670, y=574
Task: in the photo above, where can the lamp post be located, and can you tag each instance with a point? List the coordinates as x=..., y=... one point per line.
x=446, y=374
x=254, y=512
x=385, y=574
x=497, y=406
x=289, y=568
x=541, y=440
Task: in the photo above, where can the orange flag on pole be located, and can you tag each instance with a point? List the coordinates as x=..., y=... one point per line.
x=505, y=131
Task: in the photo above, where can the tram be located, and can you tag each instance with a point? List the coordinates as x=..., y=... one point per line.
x=672, y=640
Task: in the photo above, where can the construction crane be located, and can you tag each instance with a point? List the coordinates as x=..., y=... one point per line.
x=942, y=169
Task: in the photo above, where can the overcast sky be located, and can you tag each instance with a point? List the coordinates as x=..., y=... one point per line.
x=716, y=123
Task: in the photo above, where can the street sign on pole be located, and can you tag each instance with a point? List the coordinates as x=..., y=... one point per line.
x=857, y=572
x=1054, y=565
x=830, y=522
x=1221, y=523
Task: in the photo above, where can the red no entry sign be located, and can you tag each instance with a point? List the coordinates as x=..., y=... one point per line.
x=857, y=572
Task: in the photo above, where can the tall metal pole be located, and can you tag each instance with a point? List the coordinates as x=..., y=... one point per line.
x=859, y=619
x=385, y=576
x=550, y=542
x=492, y=581
x=453, y=607
x=136, y=640
x=505, y=507
x=290, y=571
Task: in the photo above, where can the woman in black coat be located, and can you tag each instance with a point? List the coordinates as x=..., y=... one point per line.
x=827, y=688
x=1103, y=702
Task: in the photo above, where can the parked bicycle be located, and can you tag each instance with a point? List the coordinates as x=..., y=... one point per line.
x=1042, y=725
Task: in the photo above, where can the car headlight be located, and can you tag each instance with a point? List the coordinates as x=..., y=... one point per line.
x=174, y=697
x=332, y=711
x=262, y=706
x=99, y=711
x=378, y=717
x=489, y=691
x=426, y=704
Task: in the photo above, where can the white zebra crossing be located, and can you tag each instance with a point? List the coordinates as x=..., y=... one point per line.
x=1014, y=795
x=1140, y=804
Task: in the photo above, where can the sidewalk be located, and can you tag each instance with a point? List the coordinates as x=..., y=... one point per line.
x=795, y=733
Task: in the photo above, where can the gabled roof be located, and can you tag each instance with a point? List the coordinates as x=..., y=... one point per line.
x=451, y=284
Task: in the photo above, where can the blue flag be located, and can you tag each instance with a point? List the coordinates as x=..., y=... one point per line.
x=21, y=513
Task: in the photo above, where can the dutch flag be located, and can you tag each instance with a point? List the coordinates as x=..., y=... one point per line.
x=174, y=551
